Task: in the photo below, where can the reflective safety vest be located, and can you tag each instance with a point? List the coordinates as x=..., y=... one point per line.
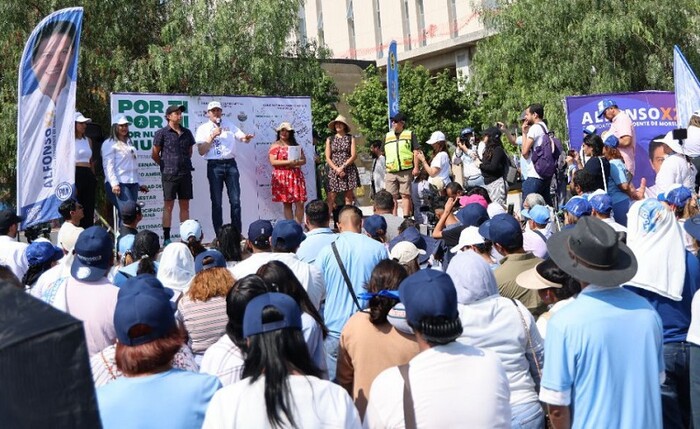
x=398, y=151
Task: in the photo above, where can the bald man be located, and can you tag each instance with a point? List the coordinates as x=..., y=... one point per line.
x=358, y=254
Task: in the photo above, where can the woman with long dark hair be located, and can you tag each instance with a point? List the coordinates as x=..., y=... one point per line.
x=228, y=242
x=281, y=385
x=41, y=256
x=288, y=183
x=597, y=165
x=280, y=278
x=493, y=166
x=368, y=343
x=141, y=259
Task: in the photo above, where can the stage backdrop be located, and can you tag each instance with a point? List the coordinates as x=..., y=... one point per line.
x=254, y=115
x=652, y=112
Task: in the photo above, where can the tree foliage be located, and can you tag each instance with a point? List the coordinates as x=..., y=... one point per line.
x=188, y=46
x=545, y=50
x=431, y=103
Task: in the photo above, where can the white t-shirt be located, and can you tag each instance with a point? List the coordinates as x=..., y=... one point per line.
x=692, y=143
x=224, y=360
x=442, y=161
x=694, y=328
x=675, y=169
x=535, y=133
x=12, y=255
x=453, y=386
x=316, y=403
x=223, y=146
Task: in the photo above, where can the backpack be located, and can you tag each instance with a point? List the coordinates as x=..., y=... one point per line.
x=545, y=156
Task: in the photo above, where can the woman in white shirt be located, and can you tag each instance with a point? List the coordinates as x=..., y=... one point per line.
x=85, y=180
x=439, y=166
x=281, y=385
x=676, y=168
x=119, y=160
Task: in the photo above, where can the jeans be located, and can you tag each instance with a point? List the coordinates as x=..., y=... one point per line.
x=695, y=383
x=331, y=344
x=527, y=416
x=128, y=192
x=675, y=391
x=533, y=185
x=220, y=172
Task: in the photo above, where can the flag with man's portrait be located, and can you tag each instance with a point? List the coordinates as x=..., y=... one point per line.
x=45, y=116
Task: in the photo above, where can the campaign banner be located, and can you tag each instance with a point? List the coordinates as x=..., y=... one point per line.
x=392, y=81
x=48, y=72
x=687, y=88
x=652, y=113
x=253, y=115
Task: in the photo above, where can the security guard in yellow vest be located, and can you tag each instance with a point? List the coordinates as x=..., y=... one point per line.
x=400, y=149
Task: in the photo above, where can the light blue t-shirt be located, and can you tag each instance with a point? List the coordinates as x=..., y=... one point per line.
x=360, y=254
x=316, y=239
x=171, y=399
x=618, y=176
x=607, y=348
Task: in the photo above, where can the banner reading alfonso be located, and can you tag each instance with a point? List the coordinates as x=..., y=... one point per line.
x=45, y=116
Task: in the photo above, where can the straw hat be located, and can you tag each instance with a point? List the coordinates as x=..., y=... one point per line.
x=285, y=126
x=342, y=120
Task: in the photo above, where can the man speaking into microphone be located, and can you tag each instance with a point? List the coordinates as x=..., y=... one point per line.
x=216, y=142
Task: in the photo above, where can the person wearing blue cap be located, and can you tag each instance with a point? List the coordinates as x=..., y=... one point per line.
x=602, y=208
x=620, y=187
x=684, y=206
x=574, y=209
x=281, y=386
x=375, y=227
x=285, y=237
x=41, y=256
x=451, y=384
x=622, y=128
x=152, y=393
x=536, y=235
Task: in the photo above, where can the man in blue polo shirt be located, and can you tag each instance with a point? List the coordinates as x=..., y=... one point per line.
x=358, y=254
x=604, y=351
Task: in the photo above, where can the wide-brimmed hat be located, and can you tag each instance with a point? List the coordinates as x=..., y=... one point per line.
x=284, y=126
x=591, y=252
x=669, y=141
x=532, y=279
x=342, y=120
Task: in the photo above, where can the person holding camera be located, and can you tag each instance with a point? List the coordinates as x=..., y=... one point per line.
x=467, y=154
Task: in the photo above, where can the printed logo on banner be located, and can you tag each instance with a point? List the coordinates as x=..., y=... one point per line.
x=64, y=191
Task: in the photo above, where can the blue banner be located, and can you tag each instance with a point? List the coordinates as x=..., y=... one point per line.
x=392, y=81
x=687, y=88
x=46, y=116
x=652, y=113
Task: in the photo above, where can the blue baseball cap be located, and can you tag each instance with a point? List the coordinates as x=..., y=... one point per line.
x=41, y=252
x=611, y=141
x=260, y=230
x=373, y=224
x=590, y=129
x=503, y=229
x=143, y=300
x=287, y=234
x=130, y=208
x=466, y=131
x=537, y=213
x=253, y=321
x=126, y=243
x=217, y=260
x=604, y=105
x=692, y=227
x=578, y=206
x=423, y=242
x=93, y=254
x=677, y=196
x=428, y=293
x=473, y=214
x=602, y=203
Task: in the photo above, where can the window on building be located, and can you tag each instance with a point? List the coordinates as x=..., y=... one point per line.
x=350, y=16
x=406, y=26
x=301, y=25
x=378, y=29
x=420, y=14
x=452, y=16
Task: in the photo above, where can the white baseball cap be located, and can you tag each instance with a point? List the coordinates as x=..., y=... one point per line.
x=213, y=105
x=80, y=118
x=190, y=228
x=436, y=137
x=405, y=252
x=468, y=237
x=120, y=120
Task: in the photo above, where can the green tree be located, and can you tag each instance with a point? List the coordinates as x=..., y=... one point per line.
x=189, y=46
x=431, y=102
x=544, y=51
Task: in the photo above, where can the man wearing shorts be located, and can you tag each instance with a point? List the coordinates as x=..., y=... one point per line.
x=400, y=149
x=172, y=151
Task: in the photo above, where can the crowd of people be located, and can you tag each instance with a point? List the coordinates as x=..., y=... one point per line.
x=329, y=318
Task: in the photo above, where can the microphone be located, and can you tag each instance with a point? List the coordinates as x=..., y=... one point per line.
x=218, y=122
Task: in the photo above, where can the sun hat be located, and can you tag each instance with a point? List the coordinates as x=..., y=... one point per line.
x=253, y=318
x=405, y=251
x=428, y=293
x=532, y=279
x=341, y=119
x=468, y=237
x=436, y=137
x=142, y=300
x=93, y=254
x=591, y=252
x=284, y=126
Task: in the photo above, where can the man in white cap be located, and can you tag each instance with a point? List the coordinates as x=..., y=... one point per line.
x=216, y=142
x=535, y=237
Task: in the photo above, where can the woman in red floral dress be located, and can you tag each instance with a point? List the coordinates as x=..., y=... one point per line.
x=288, y=183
